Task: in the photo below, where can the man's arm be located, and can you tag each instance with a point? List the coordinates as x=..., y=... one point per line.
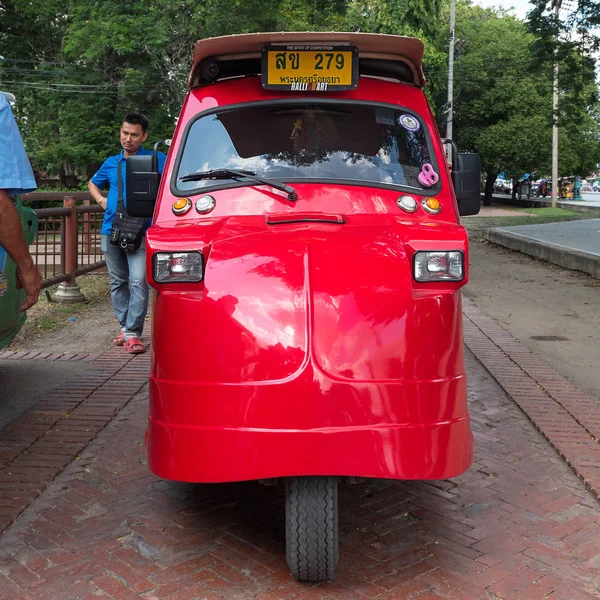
x=96, y=194
x=12, y=240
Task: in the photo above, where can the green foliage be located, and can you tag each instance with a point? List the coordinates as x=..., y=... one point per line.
x=502, y=105
x=572, y=38
x=547, y=211
x=504, y=100
x=399, y=17
x=77, y=66
x=92, y=62
x=424, y=19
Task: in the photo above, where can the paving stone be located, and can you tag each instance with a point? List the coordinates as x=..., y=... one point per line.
x=465, y=538
x=519, y=524
x=567, y=417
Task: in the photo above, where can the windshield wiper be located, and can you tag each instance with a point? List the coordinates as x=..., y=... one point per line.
x=235, y=174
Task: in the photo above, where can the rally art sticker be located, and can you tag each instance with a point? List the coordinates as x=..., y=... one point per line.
x=409, y=122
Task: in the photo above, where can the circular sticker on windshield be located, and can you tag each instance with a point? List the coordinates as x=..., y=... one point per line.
x=409, y=122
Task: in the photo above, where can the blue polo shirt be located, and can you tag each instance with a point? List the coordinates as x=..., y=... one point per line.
x=16, y=175
x=108, y=175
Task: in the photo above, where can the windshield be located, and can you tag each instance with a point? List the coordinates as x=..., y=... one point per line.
x=354, y=143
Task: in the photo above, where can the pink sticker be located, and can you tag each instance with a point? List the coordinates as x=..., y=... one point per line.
x=428, y=177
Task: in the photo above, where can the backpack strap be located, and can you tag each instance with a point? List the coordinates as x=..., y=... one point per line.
x=120, y=203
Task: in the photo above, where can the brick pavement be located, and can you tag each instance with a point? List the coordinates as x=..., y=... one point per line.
x=35, y=447
x=40, y=355
x=567, y=417
x=519, y=524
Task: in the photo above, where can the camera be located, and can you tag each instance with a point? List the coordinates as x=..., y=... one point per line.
x=127, y=241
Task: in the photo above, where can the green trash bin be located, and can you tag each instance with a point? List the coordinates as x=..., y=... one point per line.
x=11, y=320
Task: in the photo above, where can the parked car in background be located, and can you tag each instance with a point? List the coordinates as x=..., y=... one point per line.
x=502, y=186
x=566, y=187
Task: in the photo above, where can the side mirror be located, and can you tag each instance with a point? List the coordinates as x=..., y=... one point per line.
x=466, y=177
x=142, y=181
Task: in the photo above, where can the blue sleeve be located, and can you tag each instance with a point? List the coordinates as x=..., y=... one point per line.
x=16, y=175
x=161, y=161
x=100, y=179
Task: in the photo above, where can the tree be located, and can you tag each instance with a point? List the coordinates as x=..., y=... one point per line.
x=84, y=64
x=503, y=104
x=572, y=39
x=77, y=66
x=424, y=19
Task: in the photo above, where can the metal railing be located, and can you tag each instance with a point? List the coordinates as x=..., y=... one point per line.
x=68, y=240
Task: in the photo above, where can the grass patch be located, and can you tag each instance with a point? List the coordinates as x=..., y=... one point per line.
x=47, y=316
x=547, y=211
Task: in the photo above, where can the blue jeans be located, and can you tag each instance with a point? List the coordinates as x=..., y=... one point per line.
x=128, y=287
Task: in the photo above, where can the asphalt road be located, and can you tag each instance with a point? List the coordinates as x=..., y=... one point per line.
x=583, y=236
x=591, y=196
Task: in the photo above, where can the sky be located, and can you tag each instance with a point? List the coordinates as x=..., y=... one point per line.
x=521, y=7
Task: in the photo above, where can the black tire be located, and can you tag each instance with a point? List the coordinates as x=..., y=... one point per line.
x=311, y=525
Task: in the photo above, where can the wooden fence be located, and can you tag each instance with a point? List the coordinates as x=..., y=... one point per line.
x=68, y=241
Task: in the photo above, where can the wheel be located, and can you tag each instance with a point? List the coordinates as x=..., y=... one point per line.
x=311, y=526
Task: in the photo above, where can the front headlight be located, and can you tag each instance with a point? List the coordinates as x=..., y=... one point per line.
x=438, y=266
x=170, y=267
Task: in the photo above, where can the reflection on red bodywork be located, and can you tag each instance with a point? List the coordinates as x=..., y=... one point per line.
x=308, y=348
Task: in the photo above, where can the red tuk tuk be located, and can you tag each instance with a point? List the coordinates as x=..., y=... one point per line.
x=307, y=258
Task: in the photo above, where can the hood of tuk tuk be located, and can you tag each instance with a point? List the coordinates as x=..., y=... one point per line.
x=281, y=291
x=322, y=282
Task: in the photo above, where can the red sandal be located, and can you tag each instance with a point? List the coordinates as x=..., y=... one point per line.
x=120, y=339
x=134, y=346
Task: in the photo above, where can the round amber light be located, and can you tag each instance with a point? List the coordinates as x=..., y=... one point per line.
x=432, y=206
x=181, y=206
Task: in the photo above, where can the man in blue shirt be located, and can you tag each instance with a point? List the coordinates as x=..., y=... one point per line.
x=16, y=177
x=126, y=268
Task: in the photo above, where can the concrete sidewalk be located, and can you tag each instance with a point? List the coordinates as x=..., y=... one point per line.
x=570, y=244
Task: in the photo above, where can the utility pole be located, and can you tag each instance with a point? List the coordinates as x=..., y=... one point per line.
x=556, y=5
x=450, y=105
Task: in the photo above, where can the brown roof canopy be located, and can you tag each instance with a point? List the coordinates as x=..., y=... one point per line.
x=370, y=45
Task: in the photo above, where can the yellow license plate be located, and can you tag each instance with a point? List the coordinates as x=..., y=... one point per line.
x=310, y=68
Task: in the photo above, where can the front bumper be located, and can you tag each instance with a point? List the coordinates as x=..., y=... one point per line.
x=220, y=447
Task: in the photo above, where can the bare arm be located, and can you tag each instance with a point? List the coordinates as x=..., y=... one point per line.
x=12, y=240
x=96, y=194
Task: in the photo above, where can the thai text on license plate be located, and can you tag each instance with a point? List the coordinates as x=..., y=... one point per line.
x=310, y=68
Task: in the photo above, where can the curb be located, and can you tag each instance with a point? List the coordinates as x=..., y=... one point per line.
x=559, y=255
x=38, y=445
x=567, y=417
